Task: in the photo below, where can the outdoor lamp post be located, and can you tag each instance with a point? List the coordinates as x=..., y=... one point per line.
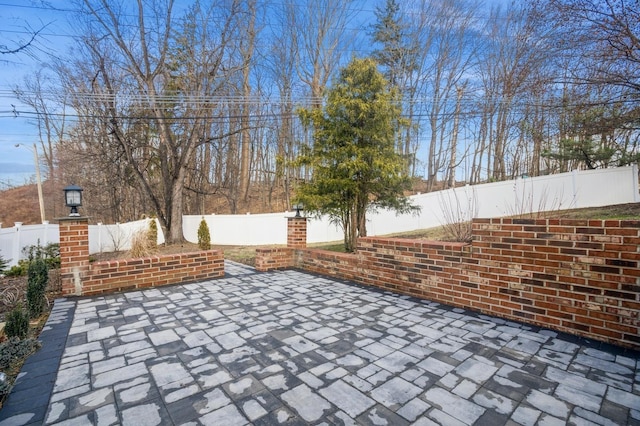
x=73, y=199
x=298, y=208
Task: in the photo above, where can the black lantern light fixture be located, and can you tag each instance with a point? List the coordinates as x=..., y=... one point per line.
x=73, y=199
x=298, y=208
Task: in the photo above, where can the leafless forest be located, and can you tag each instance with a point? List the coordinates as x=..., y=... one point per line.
x=165, y=109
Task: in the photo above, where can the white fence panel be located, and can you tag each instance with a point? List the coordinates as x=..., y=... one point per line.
x=258, y=229
x=102, y=238
x=576, y=189
x=521, y=196
x=320, y=230
x=603, y=187
x=247, y=229
x=14, y=240
x=118, y=237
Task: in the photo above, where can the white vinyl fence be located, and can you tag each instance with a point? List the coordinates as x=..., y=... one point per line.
x=577, y=189
x=102, y=238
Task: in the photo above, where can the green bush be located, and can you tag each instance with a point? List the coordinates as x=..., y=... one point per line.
x=15, y=349
x=17, y=270
x=17, y=325
x=204, y=237
x=12, y=353
x=37, y=280
x=153, y=233
x=50, y=253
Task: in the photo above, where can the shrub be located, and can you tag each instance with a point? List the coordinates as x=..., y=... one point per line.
x=37, y=280
x=14, y=350
x=204, y=237
x=50, y=253
x=18, y=270
x=12, y=353
x=140, y=244
x=3, y=264
x=152, y=234
x=17, y=325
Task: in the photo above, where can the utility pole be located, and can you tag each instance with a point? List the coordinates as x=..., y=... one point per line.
x=36, y=160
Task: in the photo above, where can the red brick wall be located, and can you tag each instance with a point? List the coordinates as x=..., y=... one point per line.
x=127, y=274
x=74, y=253
x=79, y=277
x=274, y=258
x=297, y=232
x=577, y=276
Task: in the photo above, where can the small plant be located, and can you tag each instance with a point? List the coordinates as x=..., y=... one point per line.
x=13, y=352
x=152, y=234
x=140, y=244
x=204, y=237
x=50, y=253
x=17, y=325
x=37, y=280
x=17, y=270
x=458, y=214
x=4, y=263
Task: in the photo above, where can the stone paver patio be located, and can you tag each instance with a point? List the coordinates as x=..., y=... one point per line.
x=287, y=347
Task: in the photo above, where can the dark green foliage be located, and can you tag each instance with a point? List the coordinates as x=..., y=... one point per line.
x=355, y=166
x=12, y=353
x=17, y=324
x=37, y=280
x=204, y=237
x=5, y=389
x=17, y=270
x=4, y=263
x=397, y=55
x=15, y=350
x=50, y=253
x=593, y=154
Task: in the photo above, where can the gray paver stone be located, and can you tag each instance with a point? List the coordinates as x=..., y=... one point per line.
x=463, y=410
x=395, y=392
x=347, y=398
x=548, y=404
x=310, y=406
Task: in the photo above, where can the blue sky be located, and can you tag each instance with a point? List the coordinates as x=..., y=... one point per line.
x=18, y=17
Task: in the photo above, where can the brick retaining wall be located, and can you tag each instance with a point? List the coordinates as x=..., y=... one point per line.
x=154, y=271
x=577, y=276
x=81, y=278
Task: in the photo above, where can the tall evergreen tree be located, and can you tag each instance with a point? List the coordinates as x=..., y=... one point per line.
x=397, y=56
x=355, y=166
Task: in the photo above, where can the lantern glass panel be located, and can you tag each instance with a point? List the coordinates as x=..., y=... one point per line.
x=74, y=198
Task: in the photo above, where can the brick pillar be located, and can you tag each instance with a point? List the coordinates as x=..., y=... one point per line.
x=74, y=253
x=297, y=232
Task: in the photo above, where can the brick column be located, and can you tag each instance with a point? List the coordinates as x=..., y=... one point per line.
x=74, y=253
x=297, y=232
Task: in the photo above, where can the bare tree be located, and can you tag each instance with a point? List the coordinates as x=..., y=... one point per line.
x=448, y=47
x=606, y=35
x=247, y=47
x=152, y=100
x=23, y=45
x=514, y=53
x=39, y=93
x=323, y=36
